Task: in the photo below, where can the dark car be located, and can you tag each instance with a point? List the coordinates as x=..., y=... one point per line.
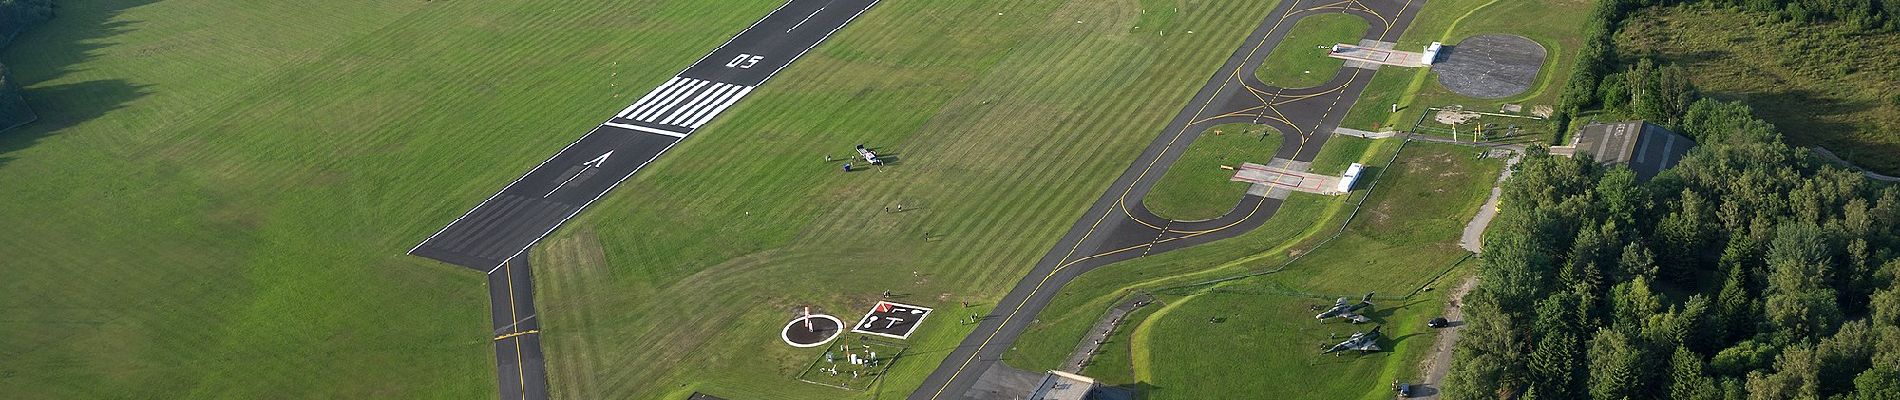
x=1439, y=322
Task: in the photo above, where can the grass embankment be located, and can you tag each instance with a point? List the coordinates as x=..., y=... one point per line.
x=1004, y=128
x=1406, y=235
x=1300, y=60
x=1555, y=24
x=217, y=197
x=1821, y=83
x=1302, y=222
x=1196, y=187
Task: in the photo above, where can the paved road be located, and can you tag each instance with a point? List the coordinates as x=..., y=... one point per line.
x=1440, y=362
x=503, y=226
x=1473, y=239
x=519, y=367
x=1117, y=227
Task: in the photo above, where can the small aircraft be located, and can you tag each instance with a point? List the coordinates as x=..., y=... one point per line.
x=1343, y=310
x=868, y=156
x=1364, y=342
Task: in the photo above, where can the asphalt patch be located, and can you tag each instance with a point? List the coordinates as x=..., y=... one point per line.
x=892, y=320
x=1493, y=66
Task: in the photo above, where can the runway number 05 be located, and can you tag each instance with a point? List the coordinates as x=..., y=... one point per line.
x=744, y=61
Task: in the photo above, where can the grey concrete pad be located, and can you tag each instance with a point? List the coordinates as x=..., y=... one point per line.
x=1288, y=175
x=1491, y=66
x=1364, y=134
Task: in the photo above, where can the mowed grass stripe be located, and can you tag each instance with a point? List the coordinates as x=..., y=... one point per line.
x=856, y=249
x=231, y=226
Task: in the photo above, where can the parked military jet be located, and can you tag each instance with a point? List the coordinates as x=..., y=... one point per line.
x=1365, y=342
x=1343, y=310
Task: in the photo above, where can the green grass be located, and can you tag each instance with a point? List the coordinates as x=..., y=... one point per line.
x=216, y=201
x=1196, y=187
x=1341, y=151
x=218, y=197
x=1404, y=237
x=1111, y=363
x=1268, y=346
x=1005, y=128
x=1300, y=60
x=1408, y=230
x=1394, y=245
x=1822, y=84
x=1555, y=24
x=1302, y=222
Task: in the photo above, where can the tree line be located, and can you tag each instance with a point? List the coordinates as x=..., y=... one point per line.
x=1597, y=58
x=16, y=16
x=1751, y=270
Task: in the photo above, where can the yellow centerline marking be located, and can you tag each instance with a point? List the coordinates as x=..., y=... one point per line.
x=520, y=373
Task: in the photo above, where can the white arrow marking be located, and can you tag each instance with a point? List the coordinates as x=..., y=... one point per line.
x=597, y=162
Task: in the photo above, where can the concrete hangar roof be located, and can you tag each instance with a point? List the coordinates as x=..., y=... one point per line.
x=1645, y=148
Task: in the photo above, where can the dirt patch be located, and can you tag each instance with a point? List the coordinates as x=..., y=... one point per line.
x=1454, y=117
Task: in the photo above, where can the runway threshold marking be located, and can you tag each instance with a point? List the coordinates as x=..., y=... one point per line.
x=645, y=129
x=675, y=109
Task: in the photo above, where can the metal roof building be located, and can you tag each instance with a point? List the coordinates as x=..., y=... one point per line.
x=1058, y=385
x=1645, y=148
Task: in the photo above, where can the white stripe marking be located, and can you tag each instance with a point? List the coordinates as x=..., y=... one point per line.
x=722, y=108
x=648, y=97
x=807, y=19
x=718, y=90
x=674, y=90
x=655, y=112
x=724, y=98
x=670, y=99
x=646, y=129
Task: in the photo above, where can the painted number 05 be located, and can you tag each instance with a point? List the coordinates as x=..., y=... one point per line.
x=744, y=61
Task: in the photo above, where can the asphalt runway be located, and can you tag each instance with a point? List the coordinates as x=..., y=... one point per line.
x=1118, y=227
x=520, y=368
x=504, y=225
x=492, y=236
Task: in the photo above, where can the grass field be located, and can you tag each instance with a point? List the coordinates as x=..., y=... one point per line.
x=1007, y=127
x=1405, y=237
x=1821, y=83
x=1196, y=187
x=1300, y=60
x=1555, y=24
x=1302, y=222
x=216, y=201
x=218, y=197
